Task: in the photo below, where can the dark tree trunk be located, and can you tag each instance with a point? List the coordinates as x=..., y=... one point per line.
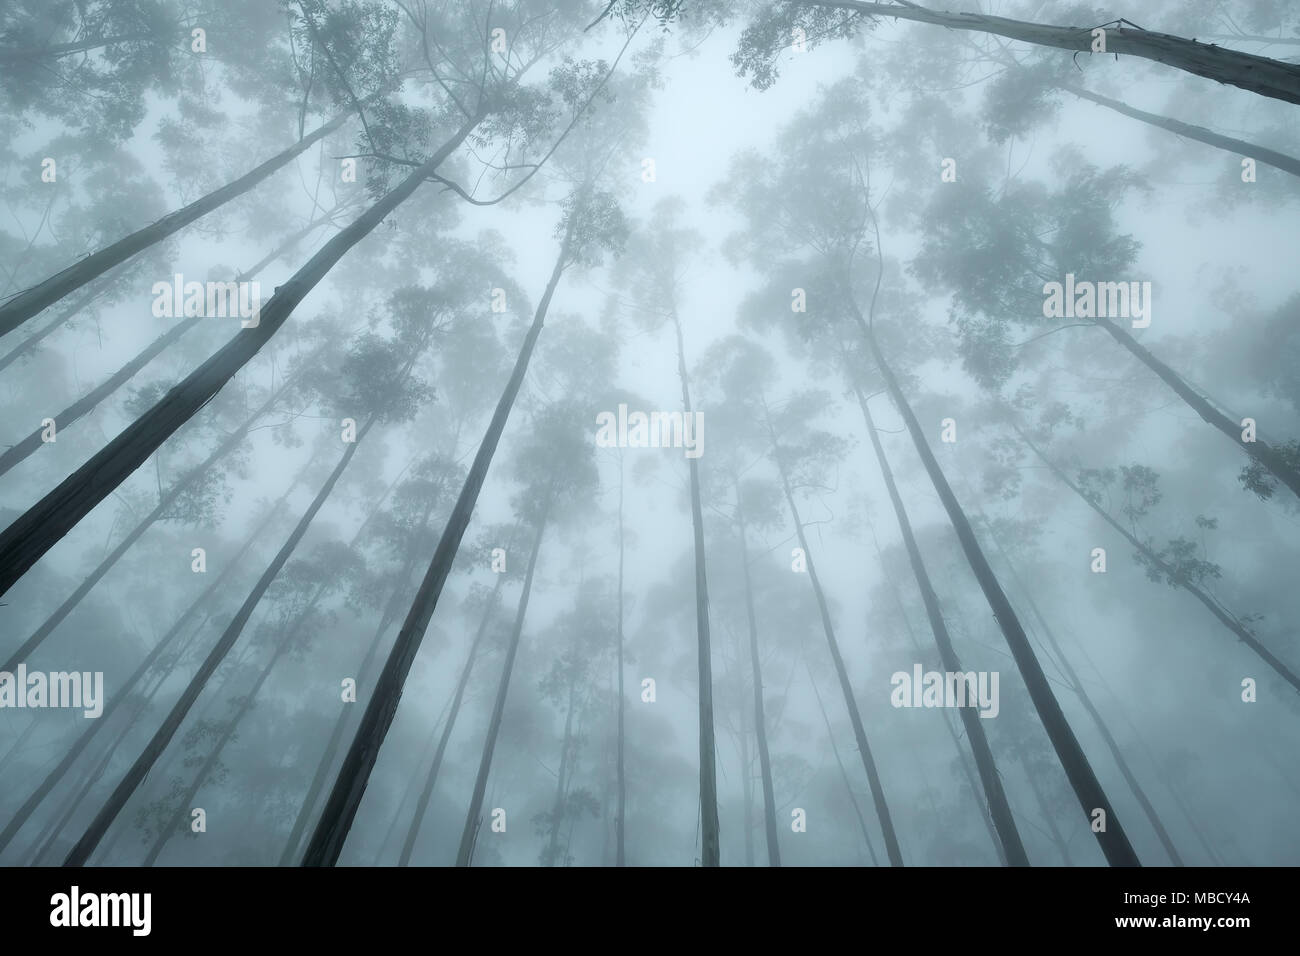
x=422, y=801
x=760, y=729
x=846, y=687
x=468, y=836
x=81, y=852
x=710, y=847
x=28, y=303
x=36, y=531
x=350, y=785
x=1114, y=841
x=1259, y=74
x=844, y=774
x=167, y=500
x=990, y=779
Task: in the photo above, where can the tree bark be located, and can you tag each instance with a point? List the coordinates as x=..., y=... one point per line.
x=35, y=532
x=1259, y=74
x=470, y=832
x=350, y=785
x=80, y=853
x=1114, y=841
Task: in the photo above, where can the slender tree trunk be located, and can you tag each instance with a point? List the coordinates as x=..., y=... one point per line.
x=1114, y=842
x=1226, y=618
x=1081, y=692
x=350, y=785
x=14, y=750
x=1259, y=450
x=28, y=303
x=561, y=782
x=472, y=820
x=1239, y=147
x=844, y=774
x=35, y=532
x=166, y=501
x=80, y=303
x=990, y=780
x=1259, y=74
x=1044, y=808
x=620, y=823
x=91, y=400
x=80, y=853
x=710, y=849
x=764, y=759
x=422, y=802
x=121, y=694
x=846, y=687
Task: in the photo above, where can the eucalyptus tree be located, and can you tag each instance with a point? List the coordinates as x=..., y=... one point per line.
x=505, y=109
x=831, y=148
x=657, y=262
x=556, y=467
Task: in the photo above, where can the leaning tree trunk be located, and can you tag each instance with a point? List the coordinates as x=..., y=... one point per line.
x=760, y=728
x=844, y=774
x=710, y=848
x=326, y=761
x=1259, y=450
x=121, y=694
x=990, y=779
x=470, y=832
x=620, y=855
x=28, y=303
x=1113, y=840
x=36, y=531
x=350, y=784
x=80, y=853
x=1082, y=693
x=1226, y=618
x=422, y=801
x=168, y=499
x=283, y=646
x=1259, y=74
x=846, y=687
x=1239, y=147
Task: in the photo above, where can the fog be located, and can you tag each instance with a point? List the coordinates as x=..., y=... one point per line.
x=649, y=433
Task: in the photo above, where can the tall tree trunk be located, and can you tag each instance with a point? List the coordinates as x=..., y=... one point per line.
x=80, y=853
x=990, y=779
x=844, y=774
x=246, y=704
x=1225, y=617
x=1082, y=693
x=1259, y=74
x=760, y=729
x=620, y=823
x=710, y=846
x=122, y=693
x=1259, y=450
x=422, y=802
x=350, y=785
x=561, y=780
x=1114, y=841
x=28, y=303
x=472, y=821
x=36, y=531
x=166, y=501
x=91, y=399
x=1239, y=147
x=846, y=687
x=1044, y=808
x=963, y=757
x=78, y=304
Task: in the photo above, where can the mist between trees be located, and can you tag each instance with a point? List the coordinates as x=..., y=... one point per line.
x=355, y=363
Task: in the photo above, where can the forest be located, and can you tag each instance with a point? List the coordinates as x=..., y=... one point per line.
x=649, y=433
